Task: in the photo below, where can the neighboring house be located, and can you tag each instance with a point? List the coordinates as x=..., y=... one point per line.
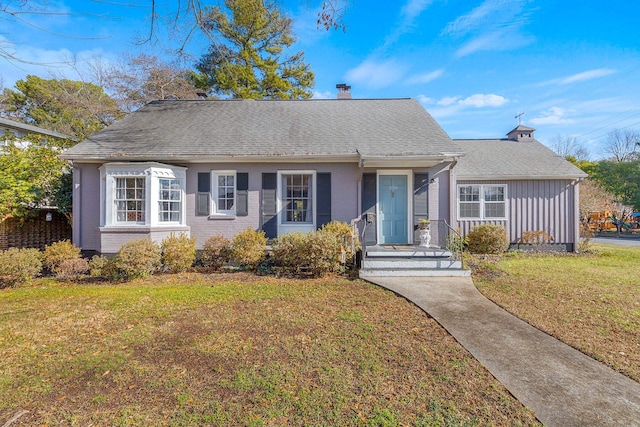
x=47, y=225
x=21, y=130
x=218, y=167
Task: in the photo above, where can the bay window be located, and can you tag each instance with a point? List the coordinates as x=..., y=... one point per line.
x=148, y=194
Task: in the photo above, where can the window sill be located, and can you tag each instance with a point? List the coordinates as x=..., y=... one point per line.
x=141, y=228
x=215, y=217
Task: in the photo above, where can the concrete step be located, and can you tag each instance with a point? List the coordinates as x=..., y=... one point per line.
x=409, y=253
x=409, y=272
x=409, y=263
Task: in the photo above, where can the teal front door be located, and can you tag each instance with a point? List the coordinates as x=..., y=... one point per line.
x=393, y=209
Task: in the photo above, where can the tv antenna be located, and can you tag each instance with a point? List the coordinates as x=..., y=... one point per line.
x=519, y=117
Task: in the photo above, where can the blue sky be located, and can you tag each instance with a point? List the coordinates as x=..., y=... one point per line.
x=572, y=67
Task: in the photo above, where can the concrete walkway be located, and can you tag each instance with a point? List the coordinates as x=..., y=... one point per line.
x=561, y=385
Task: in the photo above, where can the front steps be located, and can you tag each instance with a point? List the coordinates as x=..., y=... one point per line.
x=406, y=261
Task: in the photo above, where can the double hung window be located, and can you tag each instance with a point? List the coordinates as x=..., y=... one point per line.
x=130, y=200
x=297, y=198
x=487, y=201
x=170, y=200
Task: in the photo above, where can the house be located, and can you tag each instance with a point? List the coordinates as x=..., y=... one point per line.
x=20, y=130
x=207, y=167
x=46, y=225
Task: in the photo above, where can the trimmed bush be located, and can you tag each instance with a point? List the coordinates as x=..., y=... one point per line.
x=487, y=239
x=138, y=259
x=340, y=229
x=58, y=252
x=72, y=269
x=101, y=266
x=216, y=252
x=249, y=248
x=315, y=254
x=178, y=252
x=290, y=252
x=19, y=266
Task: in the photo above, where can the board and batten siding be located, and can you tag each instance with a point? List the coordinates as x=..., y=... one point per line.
x=547, y=205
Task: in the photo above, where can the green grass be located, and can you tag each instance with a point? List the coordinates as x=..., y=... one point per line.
x=590, y=301
x=236, y=349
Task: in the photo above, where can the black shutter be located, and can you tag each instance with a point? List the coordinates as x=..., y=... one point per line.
x=242, y=194
x=369, y=200
x=269, y=214
x=323, y=204
x=204, y=191
x=420, y=197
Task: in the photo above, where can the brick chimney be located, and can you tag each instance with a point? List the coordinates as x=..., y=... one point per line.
x=343, y=91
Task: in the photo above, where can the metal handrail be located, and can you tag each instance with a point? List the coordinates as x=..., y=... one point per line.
x=457, y=249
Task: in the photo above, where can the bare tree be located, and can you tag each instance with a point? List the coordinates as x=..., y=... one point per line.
x=568, y=146
x=623, y=145
x=183, y=22
x=145, y=78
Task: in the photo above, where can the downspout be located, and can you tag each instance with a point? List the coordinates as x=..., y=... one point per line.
x=576, y=214
x=76, y=202
x=452, y=192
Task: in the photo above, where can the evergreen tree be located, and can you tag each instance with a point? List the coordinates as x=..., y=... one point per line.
x=250, y=57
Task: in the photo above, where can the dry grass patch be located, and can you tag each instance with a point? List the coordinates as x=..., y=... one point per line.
x=236, y=349
x=589, y=301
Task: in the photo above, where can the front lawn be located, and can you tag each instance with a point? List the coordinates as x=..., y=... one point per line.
x=236, y=349
x=589, y=301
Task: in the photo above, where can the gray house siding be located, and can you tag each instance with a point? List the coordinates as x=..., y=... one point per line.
x=532, y=205
x=343, y=198
x=340, y=204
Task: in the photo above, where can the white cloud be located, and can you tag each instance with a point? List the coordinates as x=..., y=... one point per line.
x=375, y=74
x=324, y=95
x=425, y=77
x=494, y=25
x=481, y=100
x=413, y=8
x=425, y=100
x=553, y=116
x=448, y=100
x=581, y=77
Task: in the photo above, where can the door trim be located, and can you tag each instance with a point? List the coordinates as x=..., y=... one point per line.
x=409, y=174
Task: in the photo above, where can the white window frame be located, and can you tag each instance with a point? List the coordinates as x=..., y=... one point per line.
x=179, y=200
x=482, y=202
x=304, y=227
x=142, y=200
x=152, y=172
x=215, y=211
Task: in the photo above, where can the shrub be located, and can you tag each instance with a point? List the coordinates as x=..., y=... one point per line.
x=101, y=266
x=138, y=259
x=536, y=238
x=314, y=253
x=178, y=252
x=323, y=252
x=57, y=253
x=248, y=248
x=487, y=239
x=340, y=229
x=19, y=266
x=289, y=252
x=72, y=269
x=216, y=252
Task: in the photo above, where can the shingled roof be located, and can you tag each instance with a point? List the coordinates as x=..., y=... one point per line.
x=210, y=130
x=508, y=159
